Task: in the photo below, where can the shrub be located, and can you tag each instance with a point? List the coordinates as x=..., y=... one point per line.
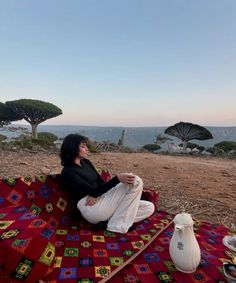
x=225, y=146
x=48, y=138
x=2, y=138
x=45, y=140
x=92, y=146
x=127, y=149
x=151, y=147
x=210, y=150
x=22, y=142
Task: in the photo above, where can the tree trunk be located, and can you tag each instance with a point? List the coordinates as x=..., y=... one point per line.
x=34, y=131
x=168, y=146
x=184, y=146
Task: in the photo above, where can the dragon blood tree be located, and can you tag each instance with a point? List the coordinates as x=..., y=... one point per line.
x=187, y=131
x=34, y=112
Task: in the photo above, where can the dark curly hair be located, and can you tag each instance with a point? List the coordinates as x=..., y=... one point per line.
x=70, y=148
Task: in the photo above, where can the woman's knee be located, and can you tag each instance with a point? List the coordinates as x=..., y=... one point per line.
x=138, y=181
x=95, y=213
x=81, y=203
x=151, y=208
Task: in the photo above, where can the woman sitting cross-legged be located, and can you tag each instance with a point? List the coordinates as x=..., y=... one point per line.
x=116, y=202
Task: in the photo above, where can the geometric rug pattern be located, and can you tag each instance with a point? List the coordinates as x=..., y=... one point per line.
x=84, y=255
x=154, y=264
x=38, y=239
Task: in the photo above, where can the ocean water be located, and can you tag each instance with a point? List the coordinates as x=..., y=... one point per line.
x=134, y=137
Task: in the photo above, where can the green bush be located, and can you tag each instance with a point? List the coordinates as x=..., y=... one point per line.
x=92, y=146
x=151, y=147
x=225, y=146
x=46, y=137
x=210, y=150
x=22, y=142
x=127, y=149
x=2, y=137
x=44, y=140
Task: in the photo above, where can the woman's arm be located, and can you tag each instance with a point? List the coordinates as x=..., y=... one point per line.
x=126, y=178
x=81, y=187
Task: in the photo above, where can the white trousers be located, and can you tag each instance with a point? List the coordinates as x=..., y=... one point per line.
x=121, y=206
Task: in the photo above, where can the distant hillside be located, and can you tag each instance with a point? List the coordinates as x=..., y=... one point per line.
x=134, y=137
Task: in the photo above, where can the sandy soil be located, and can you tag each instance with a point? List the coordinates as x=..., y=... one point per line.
x=204, y=186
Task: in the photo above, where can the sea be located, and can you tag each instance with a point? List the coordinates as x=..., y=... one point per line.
x=134, y=137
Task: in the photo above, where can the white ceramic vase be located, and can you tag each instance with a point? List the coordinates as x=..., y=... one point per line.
x=184, y=249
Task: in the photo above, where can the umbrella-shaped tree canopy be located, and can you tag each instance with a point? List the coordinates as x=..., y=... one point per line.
x=187, y=131
x=7, y=115
x=34, y=111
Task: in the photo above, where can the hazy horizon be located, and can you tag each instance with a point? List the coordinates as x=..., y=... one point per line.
x=134, y=136
x=111, y=126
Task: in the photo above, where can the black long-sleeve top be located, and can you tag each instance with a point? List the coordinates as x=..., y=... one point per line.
x=82, y=180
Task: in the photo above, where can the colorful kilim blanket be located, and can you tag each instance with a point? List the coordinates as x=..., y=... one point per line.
x=84, y=255
x=41, y=237
x=40, y=240
x=154, y=264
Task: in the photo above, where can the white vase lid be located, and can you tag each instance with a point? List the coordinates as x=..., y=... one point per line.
x=183, y=218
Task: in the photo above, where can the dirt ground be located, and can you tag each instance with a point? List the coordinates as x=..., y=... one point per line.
x=203, y=186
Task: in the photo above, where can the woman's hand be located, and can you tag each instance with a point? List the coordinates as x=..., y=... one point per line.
x=90, y=201
x=126, y=178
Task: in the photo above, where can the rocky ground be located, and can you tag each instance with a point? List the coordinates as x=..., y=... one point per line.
x=203, y=186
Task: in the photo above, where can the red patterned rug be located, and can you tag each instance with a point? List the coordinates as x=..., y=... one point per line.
x=83, y=255
x=154, y=264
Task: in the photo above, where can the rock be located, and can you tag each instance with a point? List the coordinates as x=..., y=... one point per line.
x=226, y=173
x=45, y=170
x=166, y=167
x=23, y=163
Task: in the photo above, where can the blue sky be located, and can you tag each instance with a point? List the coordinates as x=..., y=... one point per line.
x=122, y=63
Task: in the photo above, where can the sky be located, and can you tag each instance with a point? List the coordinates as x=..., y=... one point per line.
x=122, y=62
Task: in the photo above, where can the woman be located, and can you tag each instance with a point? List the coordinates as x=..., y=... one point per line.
x=116, y=201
